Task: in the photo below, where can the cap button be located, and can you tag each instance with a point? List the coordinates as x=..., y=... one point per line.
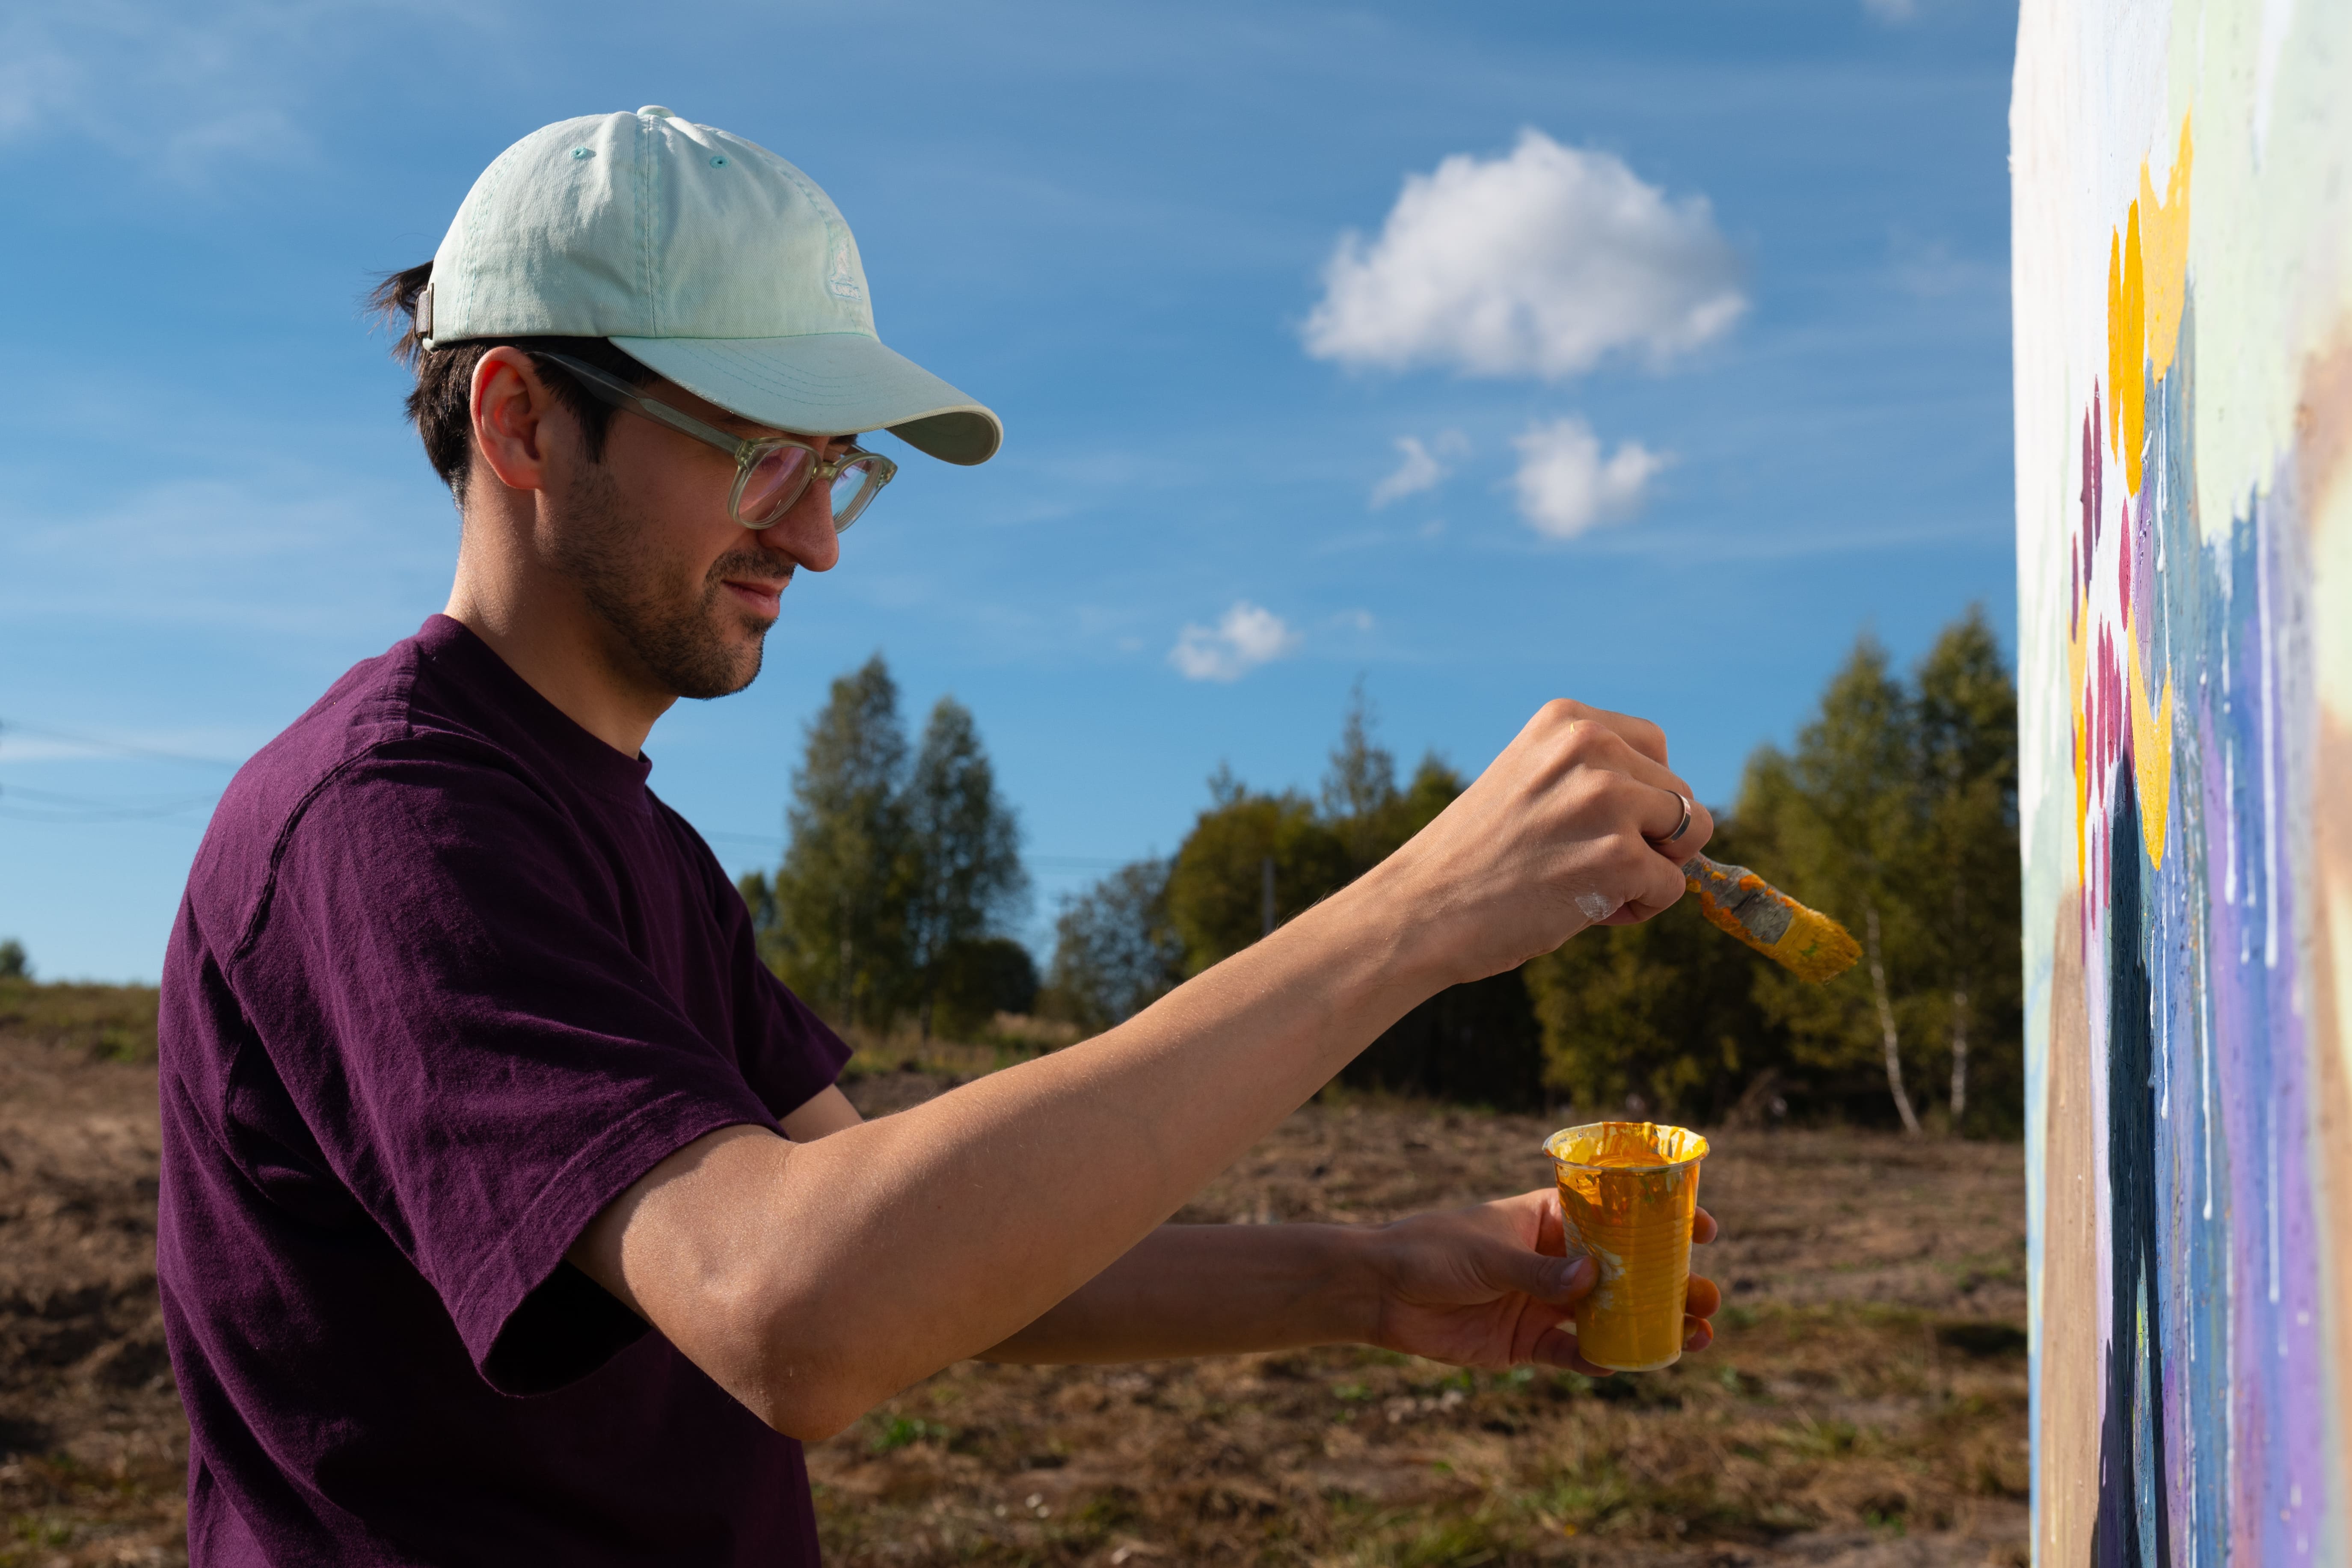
x=656, y=111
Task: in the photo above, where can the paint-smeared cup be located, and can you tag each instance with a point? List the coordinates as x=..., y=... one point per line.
x=1628, y=1192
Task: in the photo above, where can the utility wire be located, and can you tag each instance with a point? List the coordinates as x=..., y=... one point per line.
x=51, y=806
x=48, y=806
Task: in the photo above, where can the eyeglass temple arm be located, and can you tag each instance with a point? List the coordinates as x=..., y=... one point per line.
x=617, y=392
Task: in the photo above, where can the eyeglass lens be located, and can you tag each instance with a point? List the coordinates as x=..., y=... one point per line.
x=774, y=482
x=777, y=479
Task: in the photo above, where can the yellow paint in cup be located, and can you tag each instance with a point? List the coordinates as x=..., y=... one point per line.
x=1628, y=1191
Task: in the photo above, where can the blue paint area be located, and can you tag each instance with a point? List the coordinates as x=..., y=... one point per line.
x=2213, y=1438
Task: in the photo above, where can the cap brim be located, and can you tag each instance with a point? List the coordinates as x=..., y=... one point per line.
x=826, y=383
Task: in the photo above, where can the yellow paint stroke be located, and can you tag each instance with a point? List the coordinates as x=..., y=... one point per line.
x=2148, y=288
x=2115, y=340
x=2163, y=244
x=2126, y=348
x=2151, y=753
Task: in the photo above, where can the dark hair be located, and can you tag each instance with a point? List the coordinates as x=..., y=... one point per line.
x=441, y=406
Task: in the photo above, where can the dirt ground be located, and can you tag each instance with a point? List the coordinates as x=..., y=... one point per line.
x=1864, y=1404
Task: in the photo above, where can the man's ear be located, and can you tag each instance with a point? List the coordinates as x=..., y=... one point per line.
x=514, y=411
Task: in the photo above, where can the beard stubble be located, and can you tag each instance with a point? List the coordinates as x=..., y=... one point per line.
x=675, y=627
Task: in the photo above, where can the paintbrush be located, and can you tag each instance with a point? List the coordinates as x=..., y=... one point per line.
x=1805, y=941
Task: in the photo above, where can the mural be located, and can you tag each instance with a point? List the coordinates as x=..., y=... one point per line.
x=2182, y=278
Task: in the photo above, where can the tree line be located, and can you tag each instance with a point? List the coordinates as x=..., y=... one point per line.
x=1894, y=810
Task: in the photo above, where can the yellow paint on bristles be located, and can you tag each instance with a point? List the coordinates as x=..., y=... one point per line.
x=1814, y=947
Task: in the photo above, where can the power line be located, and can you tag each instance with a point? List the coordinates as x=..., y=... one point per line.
x=51, y=806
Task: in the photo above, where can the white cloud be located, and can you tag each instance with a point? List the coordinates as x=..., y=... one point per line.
x=1897, y=11
x=1567, y=488
x=1356, y=620
x=1424, y=467
x=1537, y=263
x=1246, y=637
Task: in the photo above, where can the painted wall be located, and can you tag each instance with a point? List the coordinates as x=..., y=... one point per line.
x=2183, y=317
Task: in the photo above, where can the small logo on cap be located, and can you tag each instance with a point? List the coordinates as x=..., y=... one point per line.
x=841, y=278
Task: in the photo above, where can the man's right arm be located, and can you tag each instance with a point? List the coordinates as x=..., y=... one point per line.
x=813, y=1280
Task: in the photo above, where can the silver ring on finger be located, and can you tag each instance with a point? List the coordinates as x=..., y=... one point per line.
x=1683, y=825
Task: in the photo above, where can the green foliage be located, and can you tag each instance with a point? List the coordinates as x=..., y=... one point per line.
x=1838, y=820
x=1659, y=1017
x=897, y=871
x=11, y=961
x=839, y=936
x=964, y=873
x=1216, y=896
x=1897, y=813
x=1474, y=1042
x=1967, y=870
x=980, y=977
x=1115, y=950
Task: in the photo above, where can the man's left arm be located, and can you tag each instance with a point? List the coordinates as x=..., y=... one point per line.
x=1486, y=1286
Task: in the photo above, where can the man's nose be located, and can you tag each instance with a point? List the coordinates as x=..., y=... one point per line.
x=805, y=533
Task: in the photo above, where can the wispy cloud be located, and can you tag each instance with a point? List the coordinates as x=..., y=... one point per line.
x=1896, y=11
x=183, y=92
x=1537, y=263
x=1424, y=466
x=1567, y=488
x=1932, y=269
x=285, y=546
x=1248, y=635
x=211, y=748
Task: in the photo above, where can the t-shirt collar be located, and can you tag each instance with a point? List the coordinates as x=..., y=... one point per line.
x=594, y=763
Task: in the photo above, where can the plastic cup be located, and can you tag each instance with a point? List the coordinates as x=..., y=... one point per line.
x=1628, y=1191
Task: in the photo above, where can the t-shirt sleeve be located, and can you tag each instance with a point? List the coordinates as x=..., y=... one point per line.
x=437, y=975
x=788, y=1054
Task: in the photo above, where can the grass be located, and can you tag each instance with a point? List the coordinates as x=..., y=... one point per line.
x=110, y=1022
x=1806, y=1418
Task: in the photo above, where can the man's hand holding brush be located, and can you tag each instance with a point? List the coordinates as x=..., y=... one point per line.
x=1580, y=822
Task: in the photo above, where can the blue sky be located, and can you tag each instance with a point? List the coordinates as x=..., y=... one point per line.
x=1695, y=312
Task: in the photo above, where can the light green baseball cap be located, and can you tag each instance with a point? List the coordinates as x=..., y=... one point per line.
x=705, y=258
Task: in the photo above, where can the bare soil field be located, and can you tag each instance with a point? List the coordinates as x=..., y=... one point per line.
x=1864, y=1404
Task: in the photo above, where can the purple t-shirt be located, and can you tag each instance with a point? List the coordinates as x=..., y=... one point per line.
x=447, y=979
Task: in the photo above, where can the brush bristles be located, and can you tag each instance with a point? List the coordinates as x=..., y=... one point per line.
x=1814, y=947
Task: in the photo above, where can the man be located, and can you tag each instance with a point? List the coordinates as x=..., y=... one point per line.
x=509, y=1211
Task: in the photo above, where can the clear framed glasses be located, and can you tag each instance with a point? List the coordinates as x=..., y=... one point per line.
x=772, y=472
